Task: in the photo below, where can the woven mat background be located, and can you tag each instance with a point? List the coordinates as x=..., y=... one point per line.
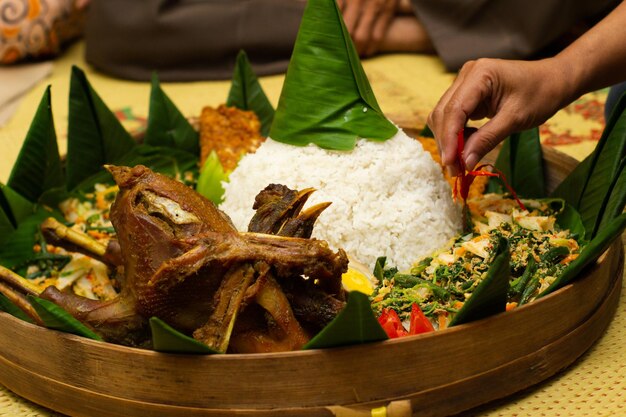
x=407, y=87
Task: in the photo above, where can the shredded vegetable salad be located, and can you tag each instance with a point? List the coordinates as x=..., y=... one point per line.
x=53, y=265
x=441, y=283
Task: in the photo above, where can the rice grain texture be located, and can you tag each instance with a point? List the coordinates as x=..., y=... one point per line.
x=388, y=198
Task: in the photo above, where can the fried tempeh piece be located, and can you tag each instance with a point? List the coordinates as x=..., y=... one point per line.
x=229, y=132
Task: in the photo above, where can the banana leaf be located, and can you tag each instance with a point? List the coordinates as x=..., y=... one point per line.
x=167, y=126
x=326, y=98
x=7, y=306
x=95, y=136
x=616, y=199
x=6, y=227
x=355, y=324
x=570, y=219
x=589, y=253
x=210, y=180
x=54, y=317
x=603, y=178
x=38, y=166
x=17, y=249
x=16, y=207
x=168, y=161
x=167, y=339
x=589, y=185
x=521, y=163
x=246, y=93
x=490, y=296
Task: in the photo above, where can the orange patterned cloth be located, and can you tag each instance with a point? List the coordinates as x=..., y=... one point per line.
x=38, y=28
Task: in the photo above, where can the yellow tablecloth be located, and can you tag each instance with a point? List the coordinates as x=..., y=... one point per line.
x=407, y=87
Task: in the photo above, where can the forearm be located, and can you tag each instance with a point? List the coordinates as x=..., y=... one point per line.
x=598, y=58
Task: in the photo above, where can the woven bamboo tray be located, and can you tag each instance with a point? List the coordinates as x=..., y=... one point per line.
x=434, y=374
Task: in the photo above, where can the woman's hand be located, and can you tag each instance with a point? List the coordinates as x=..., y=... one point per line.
x=368, y=21
x=514, y=95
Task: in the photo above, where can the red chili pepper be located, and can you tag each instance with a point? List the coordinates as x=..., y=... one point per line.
x=419, y=322
x=464, y=178
x=391, y=324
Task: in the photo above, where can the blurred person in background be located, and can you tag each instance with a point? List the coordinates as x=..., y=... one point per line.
x=462, y=30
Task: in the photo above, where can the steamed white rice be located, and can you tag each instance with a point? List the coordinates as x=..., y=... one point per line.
x=388, y=198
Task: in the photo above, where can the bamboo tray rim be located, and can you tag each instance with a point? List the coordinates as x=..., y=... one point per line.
x=607, y=272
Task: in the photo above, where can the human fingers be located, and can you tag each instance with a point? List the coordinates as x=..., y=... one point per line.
x=381, y=25
x=363, y=32
x=486, y=138
x=436, y=119
x=474, y=90
x=351, y=11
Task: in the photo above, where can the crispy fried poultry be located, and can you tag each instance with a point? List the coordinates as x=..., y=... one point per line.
x=181, y=259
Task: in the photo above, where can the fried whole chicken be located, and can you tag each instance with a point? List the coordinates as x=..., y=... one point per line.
x=180, y=259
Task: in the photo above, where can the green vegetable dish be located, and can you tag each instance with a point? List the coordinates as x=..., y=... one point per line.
x=440, y=284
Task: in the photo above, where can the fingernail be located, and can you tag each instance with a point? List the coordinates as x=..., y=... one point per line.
x=471, y=160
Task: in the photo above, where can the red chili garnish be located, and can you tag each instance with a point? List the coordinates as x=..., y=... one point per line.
x=391, y=324
x=464, y=178
x=419, y=322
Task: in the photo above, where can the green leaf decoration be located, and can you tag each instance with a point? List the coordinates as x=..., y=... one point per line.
x=211, y=177
x=54, y=317
x=521, y=162
x=166, y=124
x=326, y=98
x=570, y=219
x=7, y=306
x=616, y=200
x=18, y=246
x=15, y=206
x=95, y=136
x=603, y=177
x=38, y=166
x=571, y=187
x=167, y=339
x=490, y=296
x=168, y=161
x=589, y=253
x=6, y=227
x=590, y=185
x=355, y=324
x=246, y=93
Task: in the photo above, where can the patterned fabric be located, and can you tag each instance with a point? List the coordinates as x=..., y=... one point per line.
x=38, y=28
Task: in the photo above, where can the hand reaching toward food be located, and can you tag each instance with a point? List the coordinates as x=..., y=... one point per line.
x=517, y=95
